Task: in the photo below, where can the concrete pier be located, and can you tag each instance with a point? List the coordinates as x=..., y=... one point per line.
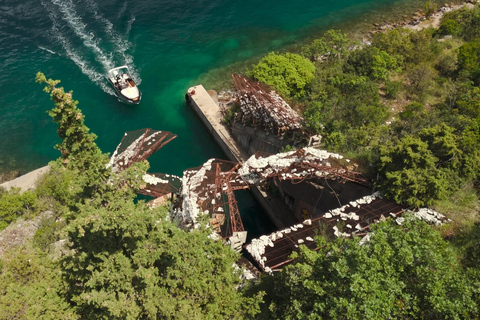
x=209, y=113
x=27, y=181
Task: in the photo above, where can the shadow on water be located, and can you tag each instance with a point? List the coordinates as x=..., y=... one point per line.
x=255, y=220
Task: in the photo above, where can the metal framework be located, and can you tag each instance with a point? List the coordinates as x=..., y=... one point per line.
x=298, y=165
x=265, y=109
x=137, y=146
x=273, y=252
x=209, y=190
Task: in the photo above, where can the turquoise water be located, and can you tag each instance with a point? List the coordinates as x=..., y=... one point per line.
x=169, y=45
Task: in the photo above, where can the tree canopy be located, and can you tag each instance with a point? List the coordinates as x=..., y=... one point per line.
x=405, y=271
x=288, y=73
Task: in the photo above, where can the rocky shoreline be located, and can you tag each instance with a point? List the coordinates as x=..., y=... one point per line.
x=420, y=20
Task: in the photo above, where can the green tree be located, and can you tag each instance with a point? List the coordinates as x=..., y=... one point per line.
x=408, y=173
x=450, y=27
x=82, y=173
x=31, y=286
x=469, y=21
x=384, y=65
x=288, y=73
x=468, y=55
x=129, y=262
x=331, y=46
x=405, y=271
x=406, y=46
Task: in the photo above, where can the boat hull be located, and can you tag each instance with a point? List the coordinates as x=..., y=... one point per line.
x=124, y=85
x=124, y=98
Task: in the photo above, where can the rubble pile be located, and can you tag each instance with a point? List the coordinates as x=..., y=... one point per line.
x=430, y=216
x=268, y=110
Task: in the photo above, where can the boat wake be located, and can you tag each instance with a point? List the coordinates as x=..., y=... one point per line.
x=89, y=39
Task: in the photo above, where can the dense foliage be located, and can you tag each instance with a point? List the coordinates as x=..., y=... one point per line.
x=406, y=272
x=129, y=262
x=289, y=73
x=405, y=106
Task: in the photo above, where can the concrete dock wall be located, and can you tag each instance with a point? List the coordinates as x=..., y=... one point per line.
x=27, y=181
x=209, y=113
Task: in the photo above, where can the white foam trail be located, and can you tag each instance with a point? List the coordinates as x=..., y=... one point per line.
x=89, y=71
x=122, y=11
x=70, y=16
x=86, y=69
x=48, y=50
x=122, y=45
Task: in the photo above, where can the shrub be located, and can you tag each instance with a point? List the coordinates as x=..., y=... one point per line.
x=450, y=27
x=430, y=8
x=288, y=73
x=392, y=88
x=13, y=205
x=48, y=232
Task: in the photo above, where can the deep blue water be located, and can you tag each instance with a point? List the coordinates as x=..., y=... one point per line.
x=169, y=44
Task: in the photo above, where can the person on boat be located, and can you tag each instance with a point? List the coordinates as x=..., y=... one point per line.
x=121, y=81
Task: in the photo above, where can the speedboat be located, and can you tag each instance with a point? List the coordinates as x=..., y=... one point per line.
x=124, y=85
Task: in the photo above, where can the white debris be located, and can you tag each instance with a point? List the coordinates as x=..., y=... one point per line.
x=337, y=233
x=151, y=179
x=256, y=170
x=256, y=248
x=365, y=239
x=430, y=216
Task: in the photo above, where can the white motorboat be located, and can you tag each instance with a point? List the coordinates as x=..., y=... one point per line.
x=124, y=85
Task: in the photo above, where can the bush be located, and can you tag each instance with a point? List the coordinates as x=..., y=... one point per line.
x=392, y=88
x=13, y=205
x=48, y=232
x=335, y=141
x=331, y=46
x=288, y=73
x=468, y=55
x=430, y=8
x=450, y=27
x=447, y=63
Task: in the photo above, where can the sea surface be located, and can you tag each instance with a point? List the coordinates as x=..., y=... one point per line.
x=169, y=45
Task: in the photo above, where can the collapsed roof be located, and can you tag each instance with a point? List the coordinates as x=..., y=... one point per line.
x=272, y=252
x=137, y=146
x=268, y=110
x=298, y=165
x=209, y=189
